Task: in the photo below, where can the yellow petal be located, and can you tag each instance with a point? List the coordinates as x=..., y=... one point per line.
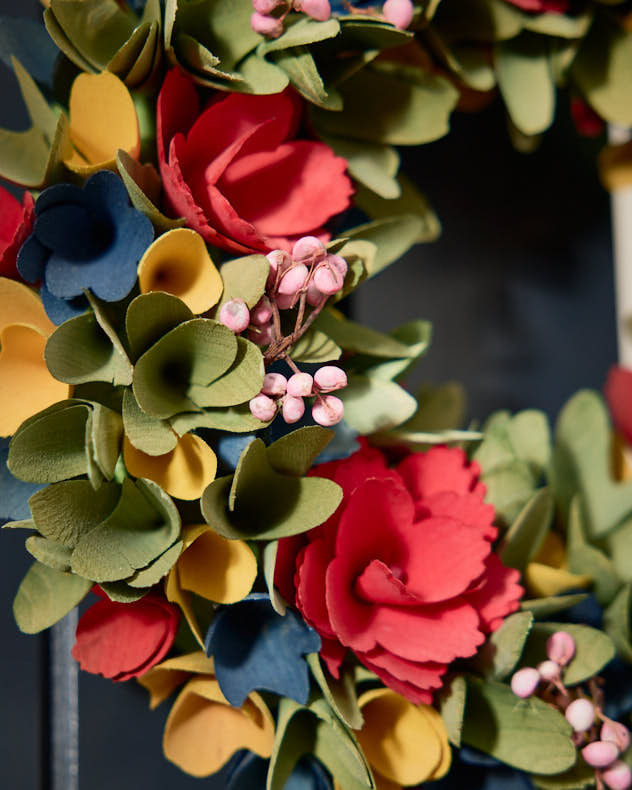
x=181, y=598
x=163, y=679
x=399, y=739
x=102, y=120
x=179, y=264
x=543, y=580
x=203, y=730
x=21, y=305
x=216, y=568
x=622, y=461
x=26, y=385
x=552, y=551
x=434, y=719
x=183, y=473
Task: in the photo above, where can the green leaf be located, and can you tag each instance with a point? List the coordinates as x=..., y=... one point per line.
x=299, y=32
x=451, y=699
x=392, y=236
x=509, y=488
x=241, y=382
x=479, y=20
x=45, y=596
x=618, y=622
x=151, y=316
x=594, y=650
x=619, y=546
x=299, y=65
x=269, y=565
x=261, y=77
x=340, y=694
x=194, y=353
x=315, y=347
x=514, y=732
x=440, y=408
x=416, y=335
x=156, y=570
x=245, y=278
x=502, y=650
x=360, y=339
x=104, y=440
x=581, y=775
x=49, y=553
x=294, y=453
x=542, y=608
x=373, y=164
x=259, y=503
x=526, y=82
x=235, y=419
x=526, y=535
x=374, y=405
x=147, y=434
x=121, y=592
x=143, y=187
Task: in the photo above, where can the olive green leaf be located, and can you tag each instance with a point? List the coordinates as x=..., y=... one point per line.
x=241, y=382
x=502, y=650
x=580, y=776
x=618, y=622
x=150, y=316
x=294, y=453
x=147, y=434
x=244, y=278
x=416, y=335
x=302, y=72
x=451, y=699
x=359, y=339
x=269, y=564
x=143, y=187
x=392, y=236
x=526, y=535
x=156, y=570
x=374, y=165
x=340, y=693
x=234, y=419
x=300, y=31
x=315, y=347
x=49, y=553
x=372, y=404
x=541, y=608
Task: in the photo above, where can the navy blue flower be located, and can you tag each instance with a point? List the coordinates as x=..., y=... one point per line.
x=84, y=238
x=255, y=648
x=14, y=494
x=250, y=771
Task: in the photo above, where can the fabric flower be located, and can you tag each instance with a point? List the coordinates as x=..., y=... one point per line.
x=237, y=172
x=124, y=640
x=16, y=221
x=542, y=6
x=250, y=771
x=548, y=574
x=403, y=573
x=618, y=392
x=84, y=238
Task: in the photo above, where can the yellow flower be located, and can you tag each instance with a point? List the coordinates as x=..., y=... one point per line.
x=203, y=729
x=26, y=384
x=547, y=574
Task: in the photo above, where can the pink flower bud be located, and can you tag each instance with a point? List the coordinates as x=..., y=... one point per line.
x=274, y=384
x=265, y=6
x=261, y=336
x=266, y=25
x=600, y=754
x=317, y=9
x=618, y=776
x=300, y=385
x=549, y=671
x=398, y=12
x=339, y=262
x=263, y=408
x=330, y=378
x=285, y=301
x=327, y=278
x=560, y=647
x=314, y=296
x=328, y=410
x=279, y=261
x=293, y=280
x=293, y=408
x=262, y=312
x=307, y=248
x=616, y=733
x=525, y=681
x=235, y=315
x=580, y=714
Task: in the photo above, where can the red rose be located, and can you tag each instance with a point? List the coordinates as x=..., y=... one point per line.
x=542, y=6
x=618, y=392
x=403, y=573
x=124, y=640
x=237, y=173
x=16, y=222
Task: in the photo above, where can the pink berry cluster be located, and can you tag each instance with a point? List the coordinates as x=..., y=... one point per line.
x=268, y=15
x=288, y=394
x=601, y=739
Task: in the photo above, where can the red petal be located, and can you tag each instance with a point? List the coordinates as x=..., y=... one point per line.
x=499, y=595
x=618, y=392
x=468, y=508
x=16, y=224
x=124, y=640
x=333, y=653
x=176, y=110
x=285, y=566
x=402, y=686
x=439, y=469
x=310, y=588
x=378, y=584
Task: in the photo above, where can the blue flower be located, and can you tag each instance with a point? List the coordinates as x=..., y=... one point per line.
x=84, y=238
x=14, y=494
x=250, y=771
x=255, y=648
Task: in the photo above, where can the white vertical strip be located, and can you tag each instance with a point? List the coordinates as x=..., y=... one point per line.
x=621, y=208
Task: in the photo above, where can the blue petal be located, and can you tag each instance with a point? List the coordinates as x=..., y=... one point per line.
x=74, y=232
x=249, y=773
x=230, y=447
x=60, y=310
x=32, y=259
x=471, y=756
x=14, y=493
x=255, y=648
x=308, y=775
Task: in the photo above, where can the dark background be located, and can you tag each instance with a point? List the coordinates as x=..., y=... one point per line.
x=519, y=289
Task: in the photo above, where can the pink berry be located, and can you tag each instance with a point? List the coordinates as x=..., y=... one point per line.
x=549, y=671
x=263, y=408
x=398, y=12
x=580, y=714
x=279, y=261
x=293, y=408
x=618, y=776
x=616, y=733
x=262, y=312
x=328, y=279
x=560, y=647
x=265, y=6
x=328, y=410
x=266, y=25
x=600, y=754
x=308, y=248
x=262, y=336
x=339, y=262
x=300, y=385
x=235, y=315
x=293, y=280
x=314, y=296
x=274, y=384
x=525, y=681
x=330, y=378
x=317, y=9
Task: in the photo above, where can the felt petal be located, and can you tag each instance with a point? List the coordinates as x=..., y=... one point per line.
x=176, y=110
x=102, y=120
x=15, y=225
x=183, y=473
x=333, y=654
x=14, y=493
x=407, y=689
x=545, y=581
x=499, y=596
x=254, y=647
x=203, y=731
x=216, y=568
x=359, y=467
x=178, y=263
x=31, y=259
x=378, y=584
x=21, y=305
x=175, y=594
x=26, y=385
x=115, y=639
x=285, y=566
x=439, y=469
x=468, y=508
x=163, y=679
x=422, y=675
x=310, y=585
x=618, y=392
x=305, y=185
x=11, y=214
x=60, y=310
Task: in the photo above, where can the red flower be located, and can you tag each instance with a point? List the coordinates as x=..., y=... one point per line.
x=618, y=392
x=403, y=573
x=543, y=6
x=237, y=173
x=16, y=222
x=123, y=640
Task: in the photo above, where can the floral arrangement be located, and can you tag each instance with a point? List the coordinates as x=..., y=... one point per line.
x=344, y=585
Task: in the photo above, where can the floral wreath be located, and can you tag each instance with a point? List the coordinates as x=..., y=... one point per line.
x=345, y=587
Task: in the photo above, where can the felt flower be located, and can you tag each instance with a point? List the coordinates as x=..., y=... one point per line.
x=548, y=574
x=403, y=573
x=542, y=6
x=88, y=237
x=16, y=221
x=237, y=172
x=203, y=731
x=124, y=640
x=405, y=744
x=618, y=392
x=250, y=771
x=26, y=384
